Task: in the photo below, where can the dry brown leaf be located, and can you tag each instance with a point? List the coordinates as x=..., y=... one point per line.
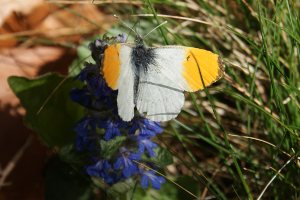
x=52, y=22
x=27, y=62
x=9, y=6
x=12, y=18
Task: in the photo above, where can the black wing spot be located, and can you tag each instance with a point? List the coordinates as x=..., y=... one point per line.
x=187, y=58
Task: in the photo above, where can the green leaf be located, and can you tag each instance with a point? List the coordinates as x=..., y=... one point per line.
x=63, y=182
x=55, y=122
x=70, y=155
x=108, y=148
x=120, y=190
x=163, y=157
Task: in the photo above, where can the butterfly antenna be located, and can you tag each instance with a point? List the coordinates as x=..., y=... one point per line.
x=155, y=28
x=130, y=31
x=124, y=24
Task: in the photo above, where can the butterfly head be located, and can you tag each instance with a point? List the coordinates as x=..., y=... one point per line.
x=139, y=40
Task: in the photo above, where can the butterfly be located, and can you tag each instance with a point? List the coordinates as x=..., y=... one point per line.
x=153, y=79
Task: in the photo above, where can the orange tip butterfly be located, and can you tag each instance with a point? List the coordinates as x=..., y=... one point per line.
x=153, y=79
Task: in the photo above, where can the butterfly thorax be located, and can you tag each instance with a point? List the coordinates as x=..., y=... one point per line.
x=142, y=57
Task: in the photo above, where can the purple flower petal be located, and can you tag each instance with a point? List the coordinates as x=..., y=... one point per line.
x=112, y=128
x=146, y=143
x=126, y=164
x=155, y=180
x=144, y=181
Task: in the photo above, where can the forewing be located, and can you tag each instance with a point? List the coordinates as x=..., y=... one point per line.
x=112, y=65
x=118, y=74
x=192, y=68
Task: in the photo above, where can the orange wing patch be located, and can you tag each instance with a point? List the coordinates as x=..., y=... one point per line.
x=111, y=65
x=201, y=63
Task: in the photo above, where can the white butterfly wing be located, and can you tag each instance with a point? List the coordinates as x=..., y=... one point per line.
x=125, y=99
x=160, y=92
x=158, y=98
